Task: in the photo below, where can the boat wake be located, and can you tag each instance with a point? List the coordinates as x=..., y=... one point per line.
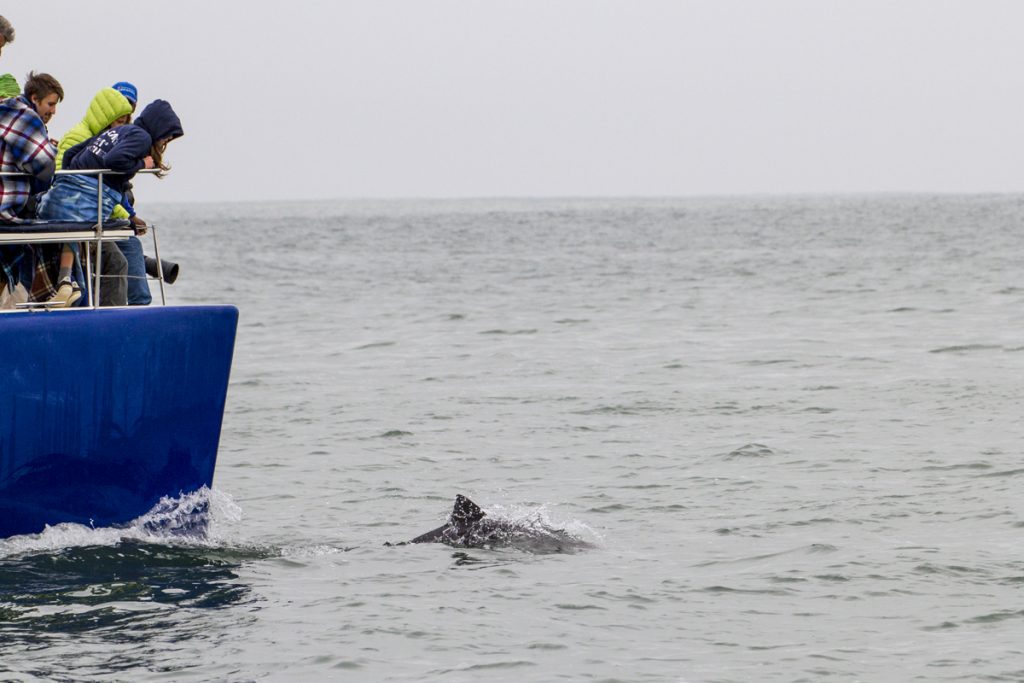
x=202, y=519
x=72, y=578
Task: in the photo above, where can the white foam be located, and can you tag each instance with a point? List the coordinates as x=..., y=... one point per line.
x=541, y=519
x=223, y=512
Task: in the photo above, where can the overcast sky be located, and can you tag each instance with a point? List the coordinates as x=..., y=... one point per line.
x=458, y=98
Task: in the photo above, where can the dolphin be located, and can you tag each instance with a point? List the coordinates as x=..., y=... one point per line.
x=469, y=527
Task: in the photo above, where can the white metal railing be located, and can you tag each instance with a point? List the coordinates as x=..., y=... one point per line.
x=93, y=279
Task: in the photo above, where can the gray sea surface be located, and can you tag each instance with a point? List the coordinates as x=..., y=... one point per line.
x=790, y=427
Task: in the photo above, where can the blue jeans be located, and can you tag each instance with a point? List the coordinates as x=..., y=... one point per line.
x=138, y=286
x=73, y=198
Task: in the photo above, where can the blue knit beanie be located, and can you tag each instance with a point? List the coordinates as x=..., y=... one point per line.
x=128, y=90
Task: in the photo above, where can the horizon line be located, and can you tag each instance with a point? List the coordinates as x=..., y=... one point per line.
x=584, y=197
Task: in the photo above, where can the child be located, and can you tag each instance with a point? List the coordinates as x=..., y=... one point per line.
x=109, y=108
x=124, y=150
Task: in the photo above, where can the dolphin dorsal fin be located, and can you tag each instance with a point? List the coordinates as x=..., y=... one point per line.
x=466, y=511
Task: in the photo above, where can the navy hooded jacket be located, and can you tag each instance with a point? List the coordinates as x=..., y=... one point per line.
x=123, y=149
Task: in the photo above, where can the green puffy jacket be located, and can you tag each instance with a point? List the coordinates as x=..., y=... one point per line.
x=106, y=107
x=9, y=87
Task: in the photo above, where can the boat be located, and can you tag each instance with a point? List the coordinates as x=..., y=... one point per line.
x=106, y=413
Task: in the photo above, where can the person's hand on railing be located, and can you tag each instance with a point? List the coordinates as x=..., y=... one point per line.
x=148, y=161
x=139, y=225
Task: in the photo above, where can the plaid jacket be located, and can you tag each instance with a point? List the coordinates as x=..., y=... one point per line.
x=24, y=147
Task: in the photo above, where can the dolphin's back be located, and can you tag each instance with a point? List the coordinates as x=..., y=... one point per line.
x=469, y=527
x=435, y=536
x=464, y=514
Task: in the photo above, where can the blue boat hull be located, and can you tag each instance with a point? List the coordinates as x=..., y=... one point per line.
x=104, y=412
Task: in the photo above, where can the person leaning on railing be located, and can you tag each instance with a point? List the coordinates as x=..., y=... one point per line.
x=108, y=108
x=25, y=147
x=124, y=151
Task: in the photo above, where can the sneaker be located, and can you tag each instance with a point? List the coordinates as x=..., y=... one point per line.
x=68, y=292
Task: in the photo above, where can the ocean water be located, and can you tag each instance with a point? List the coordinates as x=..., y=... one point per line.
x=790, y=428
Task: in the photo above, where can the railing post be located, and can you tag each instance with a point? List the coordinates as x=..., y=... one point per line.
x=159, y=267
x=99, y=239
x=88, y=275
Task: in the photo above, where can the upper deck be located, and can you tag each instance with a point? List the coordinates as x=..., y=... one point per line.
x=97, y=232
